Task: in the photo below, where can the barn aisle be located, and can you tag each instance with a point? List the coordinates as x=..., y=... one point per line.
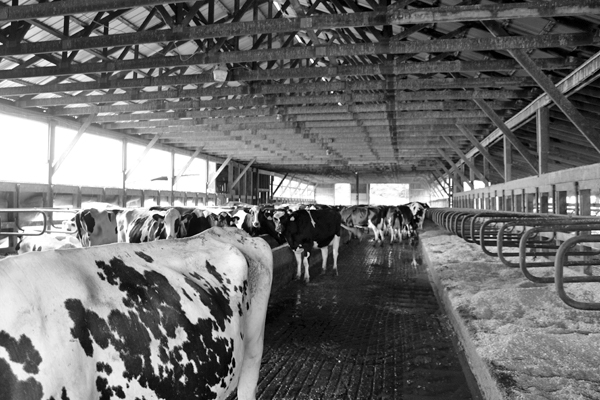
x=374, y=332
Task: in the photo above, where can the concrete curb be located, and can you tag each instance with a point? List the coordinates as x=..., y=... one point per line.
x=485, y=381
x=520, y=340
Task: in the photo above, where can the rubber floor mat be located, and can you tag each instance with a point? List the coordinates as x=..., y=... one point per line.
x=376, y=331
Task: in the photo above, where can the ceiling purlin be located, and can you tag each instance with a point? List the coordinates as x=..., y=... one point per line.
x=503, y=42
x=342, y=71
x=270, y=26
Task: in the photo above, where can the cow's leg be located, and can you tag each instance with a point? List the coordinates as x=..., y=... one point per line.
x=371, y=226
x=324, y=255
x=306, y=265
x=336, y=251
x=260, y=275
x=298, y=254
x=379, y=235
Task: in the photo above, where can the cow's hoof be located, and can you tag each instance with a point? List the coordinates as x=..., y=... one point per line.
x=335, y=272
x=307, y=281
x=297, y=277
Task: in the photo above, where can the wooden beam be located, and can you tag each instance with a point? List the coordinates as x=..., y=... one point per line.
x=440, y=185
x=47, y=10
x=570, y=83
x=187, y=165
x=277, y=25
x=351, y=88
x=84, y=125
x=507, y=133
x=346, y=50
x=543, y=139
x=301, y=114
x=454, y=167
x=215, y=174
x=246, y=168
x=385, y=68
x=469, y=163
x=469, y=134
x=583, y=124
x=278, y=186
x=296, y=188
x=331, y=99
x=137, y=163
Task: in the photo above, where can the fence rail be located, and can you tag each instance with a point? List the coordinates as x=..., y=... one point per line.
x=528, y=241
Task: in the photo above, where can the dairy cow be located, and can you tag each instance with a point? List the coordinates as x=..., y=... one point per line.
x=138, y=225
x=408, y=226
x=418, y=210
x=160, y=320
x=305, y=229
x=242, y=218
x=46, y=242
x=370, y=217
x=97, y=226
x=393, y=223
x=263, y=224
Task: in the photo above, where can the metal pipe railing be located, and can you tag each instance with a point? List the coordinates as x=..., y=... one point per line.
x=43, y=212
x=560, y=262
x=545, y=236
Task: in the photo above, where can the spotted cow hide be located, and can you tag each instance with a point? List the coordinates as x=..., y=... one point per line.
x=179, y=319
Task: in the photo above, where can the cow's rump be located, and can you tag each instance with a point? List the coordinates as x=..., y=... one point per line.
x=166, y=319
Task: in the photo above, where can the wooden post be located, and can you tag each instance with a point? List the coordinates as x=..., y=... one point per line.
x=543, y=139
x=357, y=193
x=124, y=171
x=507, y=160
x=544, y=203
x=585, y=205
x=530, y=199
x=561, y=205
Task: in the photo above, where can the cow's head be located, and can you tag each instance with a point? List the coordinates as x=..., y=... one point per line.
x=254, y=212
x=280, y=219
x=174, y=226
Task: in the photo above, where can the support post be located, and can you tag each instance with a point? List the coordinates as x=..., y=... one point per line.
x=507, y=160
x=357, y=191
x=543, y=138
x=520, y=147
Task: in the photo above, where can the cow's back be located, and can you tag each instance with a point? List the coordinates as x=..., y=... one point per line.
x=155, y=320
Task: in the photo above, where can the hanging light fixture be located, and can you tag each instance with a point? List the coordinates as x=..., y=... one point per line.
x=220, y=73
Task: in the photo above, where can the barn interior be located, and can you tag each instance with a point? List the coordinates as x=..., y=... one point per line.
x=473, y=104
x=437, y=94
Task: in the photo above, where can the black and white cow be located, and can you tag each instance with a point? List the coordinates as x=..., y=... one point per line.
x=393, y=223
x=408, y=225
x=305, y=229
x=96, y=226
x=47, y=242
x=176, y=319
x=418, y=210
x=138, y=225
x=355, y=218
x=263, y=223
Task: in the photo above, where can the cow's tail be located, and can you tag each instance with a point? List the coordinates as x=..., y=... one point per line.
x=353, y=231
